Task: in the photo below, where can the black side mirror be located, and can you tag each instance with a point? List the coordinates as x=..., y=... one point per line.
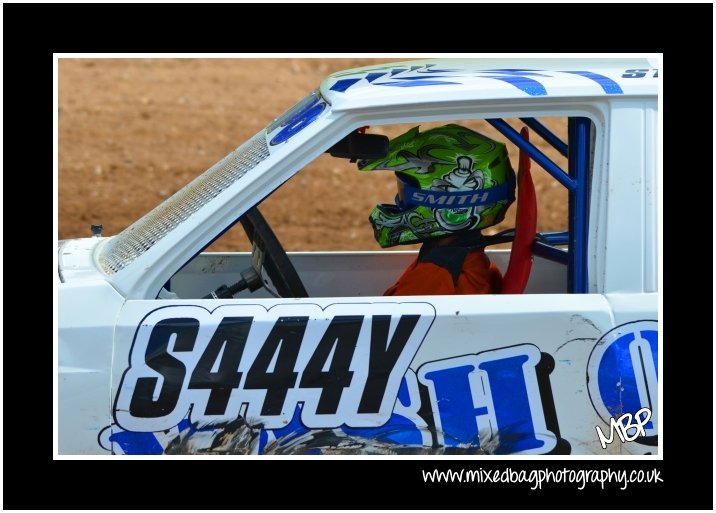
x=356, y=146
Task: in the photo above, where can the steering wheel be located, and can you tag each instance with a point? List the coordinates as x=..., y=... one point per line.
x=275, y=260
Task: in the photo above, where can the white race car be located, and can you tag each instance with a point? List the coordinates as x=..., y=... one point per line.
x=165, y=348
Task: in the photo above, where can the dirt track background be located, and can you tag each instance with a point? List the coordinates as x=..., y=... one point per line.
x=134, y=131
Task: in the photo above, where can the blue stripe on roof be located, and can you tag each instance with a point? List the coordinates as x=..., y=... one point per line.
x=416, y=83
x=517, y=71
x=529, y=86
x=607, y=84
x=344, y=84
x=372, y=76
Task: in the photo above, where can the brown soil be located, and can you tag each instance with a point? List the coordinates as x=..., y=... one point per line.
x=134, y=131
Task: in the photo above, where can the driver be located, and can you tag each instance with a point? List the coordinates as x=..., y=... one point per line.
x=452, y=182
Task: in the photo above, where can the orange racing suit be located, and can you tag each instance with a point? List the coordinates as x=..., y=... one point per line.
x=453, y=268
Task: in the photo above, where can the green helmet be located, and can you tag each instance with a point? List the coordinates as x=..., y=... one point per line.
x=454, y=180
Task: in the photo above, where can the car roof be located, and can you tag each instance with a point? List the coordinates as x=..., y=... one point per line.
x=446, y=80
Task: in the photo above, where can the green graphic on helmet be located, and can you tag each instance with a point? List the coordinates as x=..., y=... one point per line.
x=443, y=161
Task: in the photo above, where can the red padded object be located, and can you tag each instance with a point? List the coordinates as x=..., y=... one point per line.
x=520, y=265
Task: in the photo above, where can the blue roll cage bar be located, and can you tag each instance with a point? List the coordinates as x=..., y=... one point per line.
x=576, y=180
